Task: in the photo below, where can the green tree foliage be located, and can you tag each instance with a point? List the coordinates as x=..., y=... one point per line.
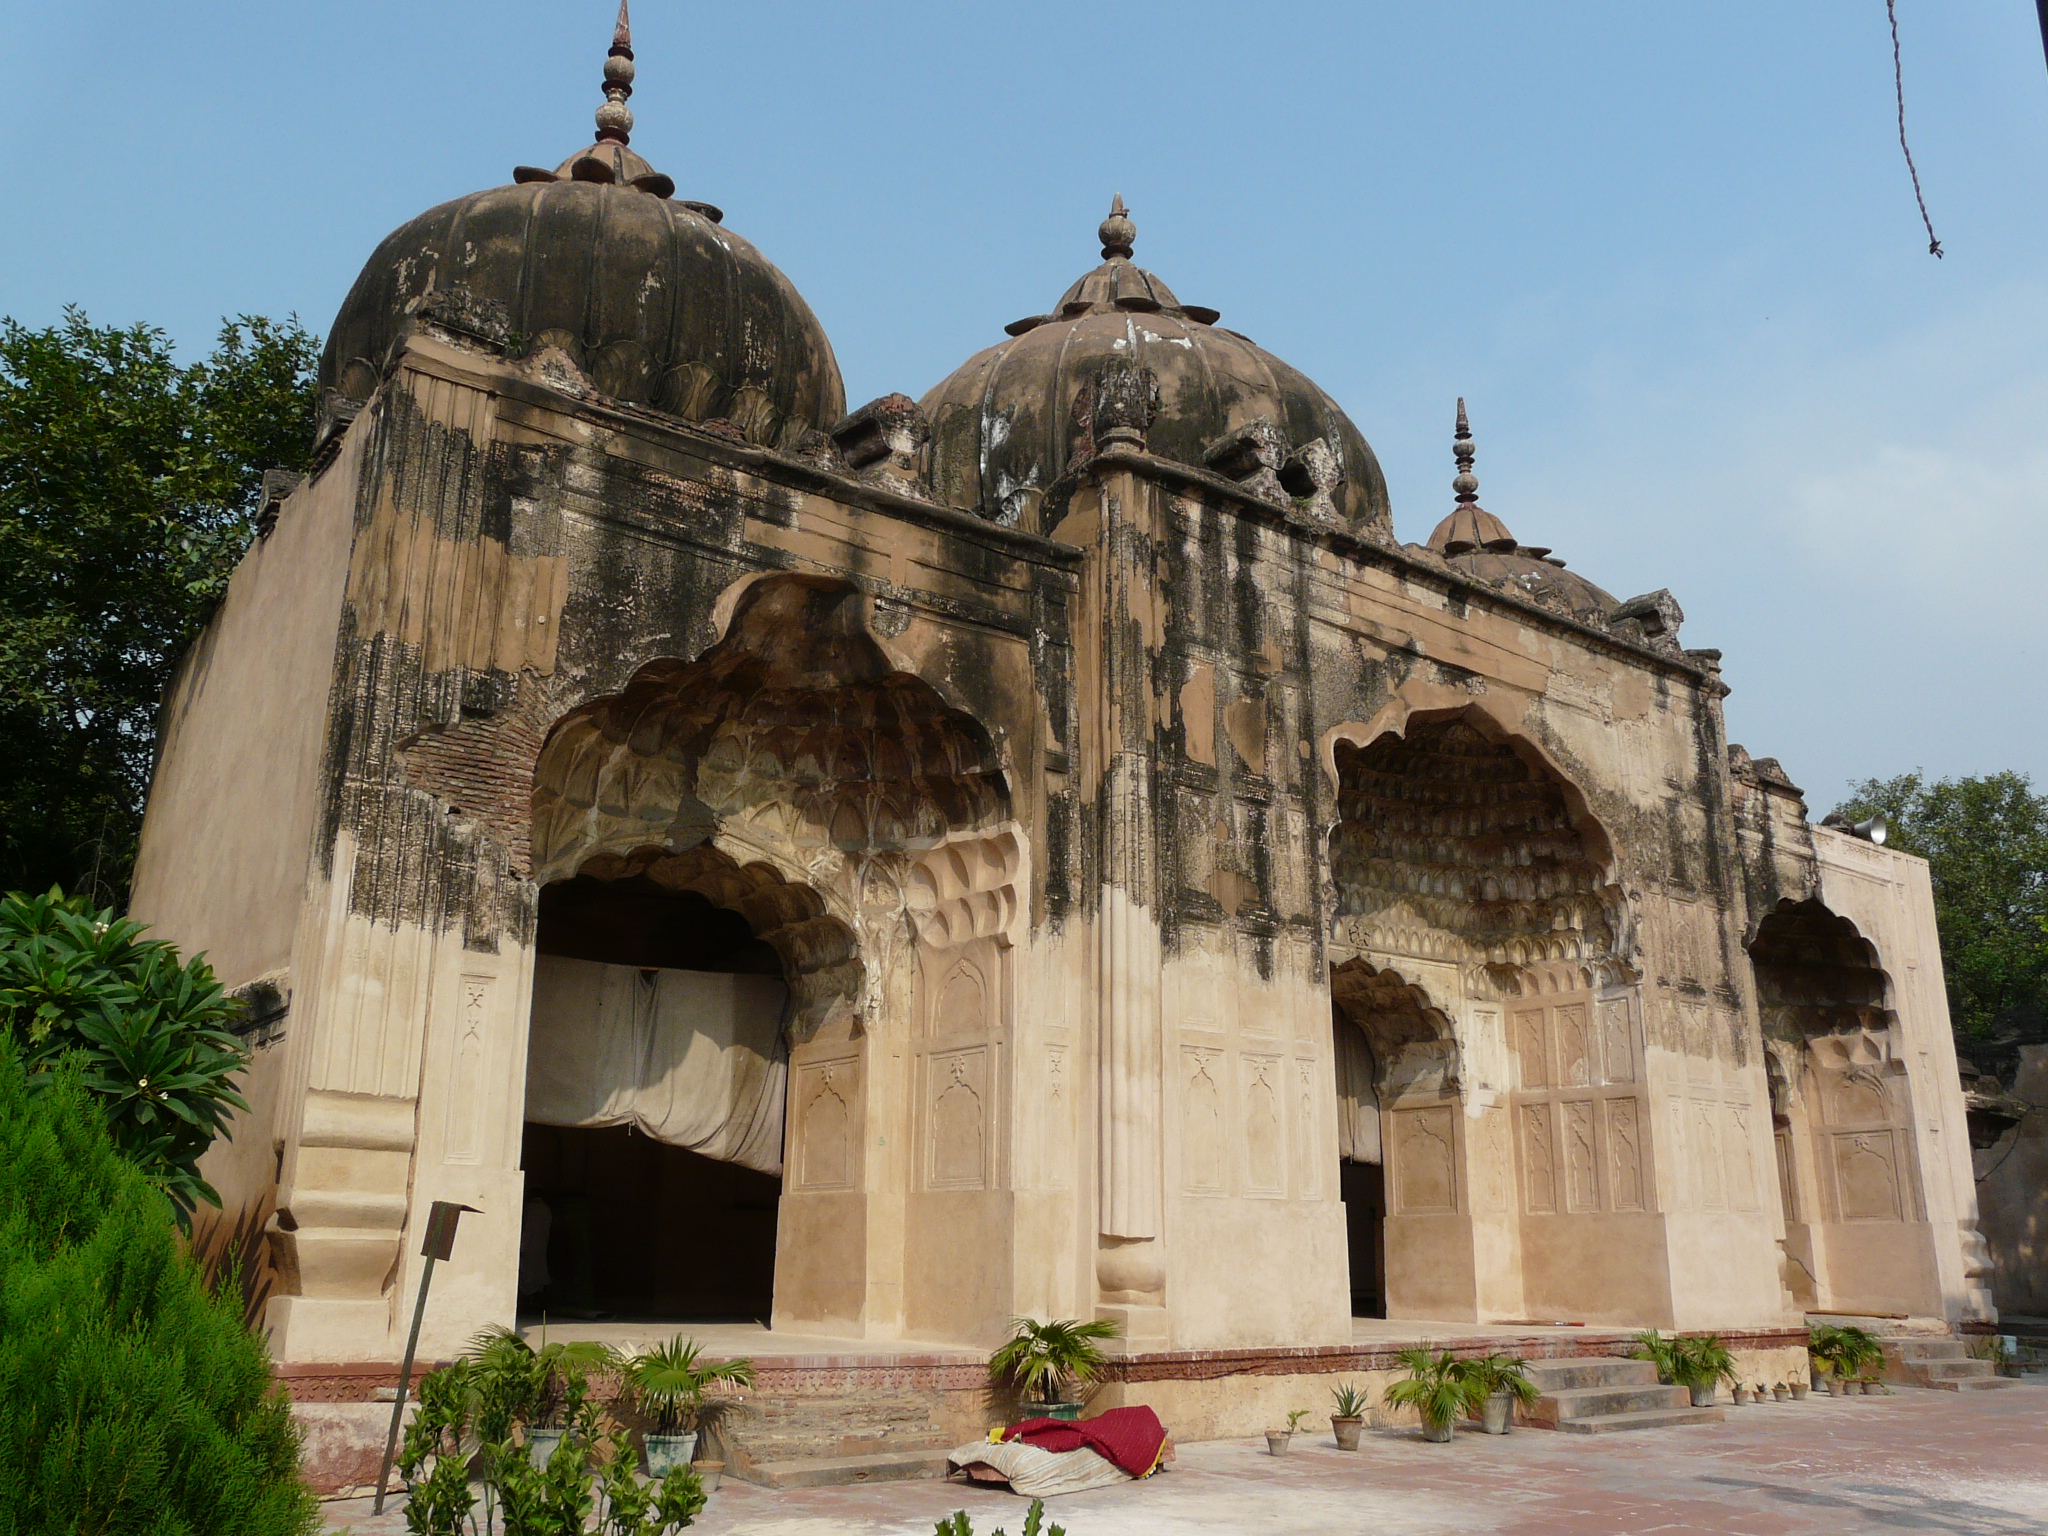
x=132, y=1402
x=148, y=1030
x=128, y=489
x=1986, y=842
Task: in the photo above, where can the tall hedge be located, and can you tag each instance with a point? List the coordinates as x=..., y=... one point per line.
x=131, y=1399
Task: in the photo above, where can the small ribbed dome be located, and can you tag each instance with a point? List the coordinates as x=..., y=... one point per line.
x=1476, y=542
x=1003, y=424
x=651, y=298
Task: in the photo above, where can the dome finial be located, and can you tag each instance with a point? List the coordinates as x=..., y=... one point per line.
x=615, y=118
x=1466, y=484
x=1117, y=231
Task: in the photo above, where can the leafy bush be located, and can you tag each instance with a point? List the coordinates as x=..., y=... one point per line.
x=459, y=1446
x=543, y=1388
x=150, y=1028
x=132, y=1402
x=957, y=1524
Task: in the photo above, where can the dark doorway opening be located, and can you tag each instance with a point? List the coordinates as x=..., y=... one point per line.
x=638, y=1229
x=616, y=1223
x=1363, y=1188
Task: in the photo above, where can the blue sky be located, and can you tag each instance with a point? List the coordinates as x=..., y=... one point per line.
x=1668, y=252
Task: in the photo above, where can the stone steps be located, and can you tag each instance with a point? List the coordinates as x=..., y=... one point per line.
x=838, y=1471
x=872, y=1437
x=1607, y=1394
x=1944, y=1365
x=1656, y=1418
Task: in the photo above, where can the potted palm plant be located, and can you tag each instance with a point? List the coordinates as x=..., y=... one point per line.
x=1500, y=1383
x=1046, y=1357
x=1349, y=1419
x=673, y=1390
x=1437, y=1388
x=1700, y=1363
x=1661, y=1352
x=543, y=1389
x=1842, y=1355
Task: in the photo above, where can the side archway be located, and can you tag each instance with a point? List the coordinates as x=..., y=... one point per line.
x=1856, y=1233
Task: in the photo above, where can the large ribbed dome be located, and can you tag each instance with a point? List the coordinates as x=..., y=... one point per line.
x=650, y=297
x=1003, y=425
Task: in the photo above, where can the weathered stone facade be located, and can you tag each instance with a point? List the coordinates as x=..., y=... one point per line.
x=1137, y=830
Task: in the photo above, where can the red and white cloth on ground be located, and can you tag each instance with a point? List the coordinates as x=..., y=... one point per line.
x=1041, y=1458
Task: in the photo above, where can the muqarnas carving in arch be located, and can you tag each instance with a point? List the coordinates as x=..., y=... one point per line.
x=1457, y=841
x=793, y=751
x=796, y=708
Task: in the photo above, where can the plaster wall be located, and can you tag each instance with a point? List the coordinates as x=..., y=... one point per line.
x=1889, y=897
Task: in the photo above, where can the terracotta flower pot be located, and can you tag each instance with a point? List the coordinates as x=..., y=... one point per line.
x=1347, y=1431
x=709, y=1473
x=1276, y=1442
x=1741, y=1396
x=1780, y=1393
x=1497, y=1414
x=1799, y=1391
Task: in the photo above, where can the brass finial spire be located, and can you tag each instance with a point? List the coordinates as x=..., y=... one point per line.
x=615, y=118
x=1466, y=484
x=1117, y=231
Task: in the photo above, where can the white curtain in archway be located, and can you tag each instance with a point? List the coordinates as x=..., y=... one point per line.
x=1358, y=1103
x=693, y=1058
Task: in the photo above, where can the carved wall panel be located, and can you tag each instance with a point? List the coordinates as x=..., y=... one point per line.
x=1059, y=1113
x=1425, y=1168
x=826, y=1150
x=1705, y=1145
x=1493, y=1165
x=1867, y=1175
x=1617, y=1041
x=1741, y=1144
x=1625, y=1180
x=1581, y=1162
x=1539, y=1159
x=467, y=1098
x=1574, y=1047
x=957, y=1132
x=1308, y=1181
x=1264, y=1134
x=1205, y=1140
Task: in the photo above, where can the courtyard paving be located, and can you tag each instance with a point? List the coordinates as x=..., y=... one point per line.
x=1971, y=1464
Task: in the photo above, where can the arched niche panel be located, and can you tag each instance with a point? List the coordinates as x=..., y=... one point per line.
x=1410, y=1039
x=1455, y=841
x=796, y=707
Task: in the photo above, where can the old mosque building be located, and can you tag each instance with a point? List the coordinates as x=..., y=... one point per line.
x=1043, y=847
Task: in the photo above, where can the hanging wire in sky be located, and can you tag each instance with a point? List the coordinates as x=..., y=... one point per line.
x=1891, y=10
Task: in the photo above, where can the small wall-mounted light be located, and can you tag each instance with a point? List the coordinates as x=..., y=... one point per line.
x=1872, y=829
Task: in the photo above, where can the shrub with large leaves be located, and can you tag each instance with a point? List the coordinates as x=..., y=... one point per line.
x=148, y=1028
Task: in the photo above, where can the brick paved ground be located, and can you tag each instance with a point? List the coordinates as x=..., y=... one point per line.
x=1971, y=1464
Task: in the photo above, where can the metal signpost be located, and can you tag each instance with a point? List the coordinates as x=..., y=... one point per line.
x=439, y=1244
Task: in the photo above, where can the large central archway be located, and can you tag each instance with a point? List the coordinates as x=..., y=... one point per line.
x=734, y=853
x=1481, y=941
